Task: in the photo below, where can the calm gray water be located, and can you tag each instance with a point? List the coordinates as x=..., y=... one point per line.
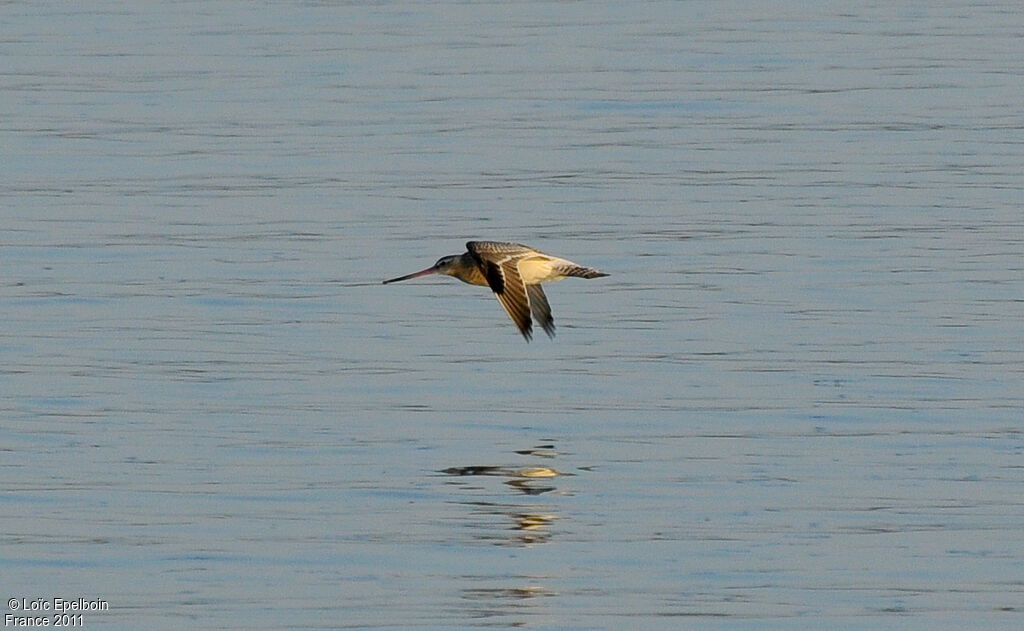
x=796, y=402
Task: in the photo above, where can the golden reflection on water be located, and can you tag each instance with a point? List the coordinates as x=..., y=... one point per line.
x=522, y=524
x=520, y=511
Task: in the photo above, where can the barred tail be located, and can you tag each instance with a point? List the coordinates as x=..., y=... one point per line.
x=582, y=272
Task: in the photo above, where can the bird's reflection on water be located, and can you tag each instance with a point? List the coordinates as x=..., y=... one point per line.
x=528, y=480
x=510, y=505
x=522, y=523
x=509, y=607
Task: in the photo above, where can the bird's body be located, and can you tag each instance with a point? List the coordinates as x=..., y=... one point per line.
x=514, y=273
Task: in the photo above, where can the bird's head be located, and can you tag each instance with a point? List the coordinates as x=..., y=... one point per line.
x=445, y=264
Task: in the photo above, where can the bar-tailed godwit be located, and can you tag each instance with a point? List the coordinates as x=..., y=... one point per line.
x=514, y=273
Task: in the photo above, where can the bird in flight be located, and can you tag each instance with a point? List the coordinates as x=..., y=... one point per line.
x=514, y=273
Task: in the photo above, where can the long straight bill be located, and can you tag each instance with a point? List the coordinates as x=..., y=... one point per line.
x=429, y=270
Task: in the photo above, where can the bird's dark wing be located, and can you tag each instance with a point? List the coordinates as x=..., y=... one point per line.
x=541, y=309
x=500, y=264
x=515, y=300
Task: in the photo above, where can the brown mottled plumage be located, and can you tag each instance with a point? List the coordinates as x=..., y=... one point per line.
x=514, y=273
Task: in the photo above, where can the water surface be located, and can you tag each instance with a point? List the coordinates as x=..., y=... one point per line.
x=794, y=404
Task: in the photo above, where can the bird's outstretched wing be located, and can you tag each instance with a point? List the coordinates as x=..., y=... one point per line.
x=541, y=309
x=500, y=265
